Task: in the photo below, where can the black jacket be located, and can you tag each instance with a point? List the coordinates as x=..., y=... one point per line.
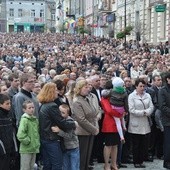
x=7, y=138
x=164, y=104
x=49, y=115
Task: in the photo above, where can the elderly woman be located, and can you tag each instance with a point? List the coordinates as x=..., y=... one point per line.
x=140, y=108
x=49, y=115
x=86, y=115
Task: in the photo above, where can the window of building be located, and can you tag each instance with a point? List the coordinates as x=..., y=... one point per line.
x=129, y=19
x=52, y=16
x=20, y=13
x=33, y=13
x=149, y=23
x=137, y=16
x=11, y=12
x=155, y=27
x=120, y=23
x=41, y=13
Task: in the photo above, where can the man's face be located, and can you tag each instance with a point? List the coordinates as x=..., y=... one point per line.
x=158, y=81
x=6, y=105
x=128, y=82
x=96, y=82
x=15, y=83
x=29, y=84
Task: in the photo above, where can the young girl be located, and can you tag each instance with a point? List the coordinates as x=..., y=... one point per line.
x=28, y=135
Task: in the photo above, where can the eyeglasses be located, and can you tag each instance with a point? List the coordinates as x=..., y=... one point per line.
x=30, y=81
x=37, y=87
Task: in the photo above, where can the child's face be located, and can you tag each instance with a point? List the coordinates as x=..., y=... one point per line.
x=29, y=109
x=64, y=112
x=6, y=105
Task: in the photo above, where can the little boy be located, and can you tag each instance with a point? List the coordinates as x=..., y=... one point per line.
x=28, y=135
x=71, y=157
x=7, y=137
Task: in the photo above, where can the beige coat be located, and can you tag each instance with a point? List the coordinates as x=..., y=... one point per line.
x=86, y=116
x=138, y=122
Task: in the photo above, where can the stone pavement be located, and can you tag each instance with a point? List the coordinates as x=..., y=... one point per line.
x=155, y=165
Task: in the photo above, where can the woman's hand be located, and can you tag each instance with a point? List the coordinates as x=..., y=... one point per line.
x=55, y=129
x=76, y=123
x=97, y=131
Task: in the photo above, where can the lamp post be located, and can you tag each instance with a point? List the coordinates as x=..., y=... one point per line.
x=125, y=24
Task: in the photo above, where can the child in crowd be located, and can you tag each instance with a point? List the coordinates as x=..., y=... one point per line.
x=28, y=135
x=118, y=100
x=71, y=158
x=7, y=137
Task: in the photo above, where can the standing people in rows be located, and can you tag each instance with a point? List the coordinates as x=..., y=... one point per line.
x=49, y=115
x=27, y=84
x=157, y=128
x=7, y=139
x=97, y=152
x=28, y=135
x=110, y=132
x=140, y=108
x=71, y=155
x=164, y=105
x=86, y=116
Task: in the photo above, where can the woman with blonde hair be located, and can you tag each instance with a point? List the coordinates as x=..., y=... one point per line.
x=86, y=115
x=49, y=115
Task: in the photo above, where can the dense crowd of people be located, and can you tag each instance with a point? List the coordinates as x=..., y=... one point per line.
x=67, y=101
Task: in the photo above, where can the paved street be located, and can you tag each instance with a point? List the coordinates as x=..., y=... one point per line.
x=156, y=165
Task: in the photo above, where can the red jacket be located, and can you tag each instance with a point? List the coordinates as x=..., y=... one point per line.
x=109, y=124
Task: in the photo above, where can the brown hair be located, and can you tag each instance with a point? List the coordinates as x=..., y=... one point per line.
x=47, y=93
x=25, y=77
x=26, y=102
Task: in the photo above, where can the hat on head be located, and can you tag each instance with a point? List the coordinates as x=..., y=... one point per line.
x=117, y=82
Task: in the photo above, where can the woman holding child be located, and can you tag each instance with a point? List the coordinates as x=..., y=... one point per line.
x=49, y=116
x=110, y=132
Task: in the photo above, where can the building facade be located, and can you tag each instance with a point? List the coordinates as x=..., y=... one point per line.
x=28, y=16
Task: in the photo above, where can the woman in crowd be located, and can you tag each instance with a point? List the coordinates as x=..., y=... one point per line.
x=49, y=115
x=109, y=129
x=140, y=108
x=86, y=116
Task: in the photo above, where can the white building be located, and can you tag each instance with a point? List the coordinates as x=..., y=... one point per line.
x=151, y=25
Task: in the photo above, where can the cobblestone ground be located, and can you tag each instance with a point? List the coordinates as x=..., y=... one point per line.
x=155, y=165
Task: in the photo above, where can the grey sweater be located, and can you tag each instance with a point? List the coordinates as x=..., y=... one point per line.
x=70, y=138
x=18, y=101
